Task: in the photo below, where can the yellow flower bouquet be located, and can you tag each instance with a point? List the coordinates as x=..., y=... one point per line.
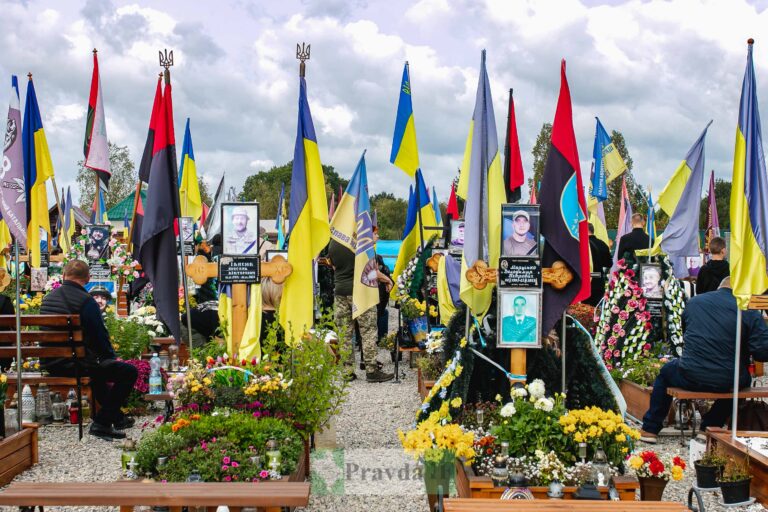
x=434, y=438
x=600, y=428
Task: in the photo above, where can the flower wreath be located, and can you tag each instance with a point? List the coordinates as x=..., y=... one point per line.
x=409, y=281
x=121, y=263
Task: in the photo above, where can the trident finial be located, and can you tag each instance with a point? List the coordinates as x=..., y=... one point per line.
x=166, y=61
x=302, y=53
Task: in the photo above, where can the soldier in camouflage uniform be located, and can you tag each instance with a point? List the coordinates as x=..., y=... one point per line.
x=343, y=261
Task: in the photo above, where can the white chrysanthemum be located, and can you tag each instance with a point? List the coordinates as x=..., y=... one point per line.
x=519, y=393
x=508, y=410
x=544, y=404
x=537, y=388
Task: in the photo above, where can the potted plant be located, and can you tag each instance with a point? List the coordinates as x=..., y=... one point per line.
x=654, y=473
x=735, y=481
x=415, y=313
x=709, y=468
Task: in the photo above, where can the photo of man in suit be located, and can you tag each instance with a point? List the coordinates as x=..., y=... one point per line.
x=518, y=327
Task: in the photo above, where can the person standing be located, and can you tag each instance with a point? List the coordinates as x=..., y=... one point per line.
x=100, y=362
x=636, y=239
x=601, y=260
x=343, y=262
x=716, y=269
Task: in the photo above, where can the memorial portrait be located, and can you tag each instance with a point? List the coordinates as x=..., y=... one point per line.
x=519, y=324
x=187, y=229
x=520, y=230
x=97, y=245
x=240, y=233
x=38, y=279
x=457, y=234
x=650, y=280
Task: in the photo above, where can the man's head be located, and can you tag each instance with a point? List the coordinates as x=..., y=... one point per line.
x=638, y=221
x=521, y=223
x=518, y=305
x=97, y=235
x=102, y=296
x=726, y=282
x=77, y=271
x=240, y=219
x=717, y=248
x=591, y=228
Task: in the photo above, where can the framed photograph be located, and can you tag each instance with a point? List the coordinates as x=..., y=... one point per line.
x=274, y=252
x=240, y=229
x=519, y=323
x=38, y=278
x=457, y=235
x=187, y=230
x=650, y=280
x=97, y=245
x=520, y=231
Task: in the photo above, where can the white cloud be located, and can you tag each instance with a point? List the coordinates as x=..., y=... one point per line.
x=427, y=10
x=261, y=165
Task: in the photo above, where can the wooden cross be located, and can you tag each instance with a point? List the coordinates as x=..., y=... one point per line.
x=200, y=270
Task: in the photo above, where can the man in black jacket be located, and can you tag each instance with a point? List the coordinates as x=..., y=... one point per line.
x=99, y=363
x=601, y=259
x=707, y=361
x=716, y=269
x=636, y=239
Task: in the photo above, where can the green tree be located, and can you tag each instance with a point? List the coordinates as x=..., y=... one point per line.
x=540, y=154
x=264, y=187
x=205, y=194
x=122, y=182
x=391, y=212
x=722, y=200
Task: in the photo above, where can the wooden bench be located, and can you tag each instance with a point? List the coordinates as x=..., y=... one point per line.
x=687, y=397
x=61, y=336
x=482, y=505
x=267, y=496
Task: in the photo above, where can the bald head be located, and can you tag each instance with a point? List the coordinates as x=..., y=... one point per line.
x=725, y=283
x=638, y=221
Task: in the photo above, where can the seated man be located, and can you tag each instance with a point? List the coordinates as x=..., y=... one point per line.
x=99, y=363
x=707, y=360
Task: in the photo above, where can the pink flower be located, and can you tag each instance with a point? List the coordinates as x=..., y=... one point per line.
x=627, y=293
x=615, y=310
x=606, y=328
x=647, y=347
x=609, y=367
x=235, y=464
x=616, y=328
x=264, y=473
x=227, y=478
x=257, y=414
x=622, y=333
x=607, y=354
x=629, y=272
x=612, y=341
x=616, y=353
x=632, y=303
x=648, y=326
x=624, y=315
x=224, y=467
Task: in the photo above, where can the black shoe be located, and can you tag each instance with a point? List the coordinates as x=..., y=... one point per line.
x=105, y=432
x=379, y=376
x=379, y=366
x=124, y=423
x=350, y=377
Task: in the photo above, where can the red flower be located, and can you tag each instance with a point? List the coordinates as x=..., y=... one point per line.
x=656, y=467
x=677, y=461
x=648, y=456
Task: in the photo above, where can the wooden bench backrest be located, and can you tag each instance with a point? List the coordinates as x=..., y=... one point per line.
x=483, y=505
x=61, y=333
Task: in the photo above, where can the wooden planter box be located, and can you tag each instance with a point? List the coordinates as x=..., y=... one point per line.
x=473, y=486
x=638, y=398
x=720, y=438
x=18, y=452
x=424, y=385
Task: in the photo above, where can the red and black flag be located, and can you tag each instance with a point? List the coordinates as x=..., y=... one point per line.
x=157, y=253
x=96, y=147
x=564, y=221
x=452, y=211
x=138, y=222
x=513, y=163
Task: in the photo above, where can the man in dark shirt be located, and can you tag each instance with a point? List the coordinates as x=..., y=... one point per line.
x=707, y=361
x=634, y=240
x=99, y=363
x=601, y=259
x=343, y=261
x=716, y=269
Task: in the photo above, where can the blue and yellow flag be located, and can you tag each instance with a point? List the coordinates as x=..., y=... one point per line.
x=309, y=231
x=38, y=167
x=99, y=209
x=749, y=197
x=436, y=208
x=485, y=193
x=418, y=201
x=67, y=230
x=608, y=162
x=352, y=227
x=650, y=223
x=405, y=153
x=189, y=188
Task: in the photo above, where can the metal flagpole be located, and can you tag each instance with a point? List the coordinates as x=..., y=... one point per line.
x=649, y=223
x=735, y=411
x=18, y=333
x=562, y=338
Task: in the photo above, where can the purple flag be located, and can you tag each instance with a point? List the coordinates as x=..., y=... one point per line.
x=12, y=197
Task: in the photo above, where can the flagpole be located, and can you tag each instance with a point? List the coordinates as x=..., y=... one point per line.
x=58, y=205
x=166, y=61
x=18, y=331
x=562, y=338
x=736, y=368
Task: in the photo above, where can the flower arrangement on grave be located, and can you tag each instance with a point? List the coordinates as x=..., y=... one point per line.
x=131, y=336
x=147, y=316
x=223, y=447
x=436, y=438
x=529, y=422
x=642, y=371
x=120, y=262
x=53, y=283
x=648, y=464
x=599, y=428
x=585, y=314
x=30, y=303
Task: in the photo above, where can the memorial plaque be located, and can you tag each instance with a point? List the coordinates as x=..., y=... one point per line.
x=100, y=272
x=239, y=270
x=45, y=259
x=519, y=273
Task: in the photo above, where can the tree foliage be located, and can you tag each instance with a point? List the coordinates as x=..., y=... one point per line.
x=264, y=187
x=391, y=212
x=722, y=200
x=540, y=153
x=123, y=180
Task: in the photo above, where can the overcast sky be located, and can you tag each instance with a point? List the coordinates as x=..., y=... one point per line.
x=656, y=71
